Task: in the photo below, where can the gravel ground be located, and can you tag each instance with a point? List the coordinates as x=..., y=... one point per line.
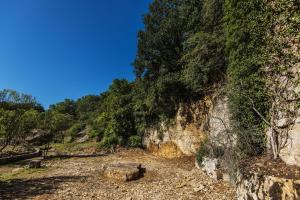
x=82, y=178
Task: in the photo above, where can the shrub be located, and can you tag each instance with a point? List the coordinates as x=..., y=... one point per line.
x=74, y=130
x=202, y=152
x=93, y=133
x=135, y=141
x=68, y=139
x=110, y=140
x=208, y=149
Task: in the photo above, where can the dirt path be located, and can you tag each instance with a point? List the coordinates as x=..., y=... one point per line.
x=81, y=178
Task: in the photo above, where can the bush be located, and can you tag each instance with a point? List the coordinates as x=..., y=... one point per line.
x=68, y=139
x=135, y=141
x=90, y=130
x=208, y=149
x=202, y=152
x=110, y=140
x=74, y=130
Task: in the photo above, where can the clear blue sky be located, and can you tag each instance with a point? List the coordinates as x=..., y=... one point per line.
x=57, y=49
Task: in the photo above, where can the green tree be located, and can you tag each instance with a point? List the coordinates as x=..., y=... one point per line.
x=68, y=106
x=181, y=52
x=58, y=124
x=87, y=106
x=115, y=122
x=204, y=59
x=157, y=65
x=9, y=128
x=15, y=125
x=13, y=100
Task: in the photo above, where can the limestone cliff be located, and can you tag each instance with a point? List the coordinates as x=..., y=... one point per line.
x=193, y=123
x=183, y=136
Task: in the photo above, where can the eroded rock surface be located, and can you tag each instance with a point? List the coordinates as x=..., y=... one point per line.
x=262, y=178
x=219, y=123
x=262, y=187
x=291, y=152
x=193, y=124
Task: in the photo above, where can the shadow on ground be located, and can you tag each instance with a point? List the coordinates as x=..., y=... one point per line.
x=23, y=189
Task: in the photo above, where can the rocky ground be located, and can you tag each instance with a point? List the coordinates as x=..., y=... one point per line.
x=82, y=178
x=264, y=164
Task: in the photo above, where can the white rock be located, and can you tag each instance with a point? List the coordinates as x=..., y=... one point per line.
x=211, y=168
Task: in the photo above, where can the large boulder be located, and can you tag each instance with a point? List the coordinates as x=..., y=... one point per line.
x=123, y=171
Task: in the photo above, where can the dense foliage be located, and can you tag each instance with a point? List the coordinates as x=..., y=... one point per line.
x=247, y=23
x=115, y=122
x=180, y=54
x=12, y=100
x=19, y=114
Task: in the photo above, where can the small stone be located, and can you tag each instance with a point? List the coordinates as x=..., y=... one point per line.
x=199, y=188
x=181, y=185
x=35, y=164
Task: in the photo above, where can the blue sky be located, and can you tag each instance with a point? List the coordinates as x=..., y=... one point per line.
x=57, y=49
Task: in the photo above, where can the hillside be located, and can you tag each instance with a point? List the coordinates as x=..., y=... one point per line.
x=215, y=80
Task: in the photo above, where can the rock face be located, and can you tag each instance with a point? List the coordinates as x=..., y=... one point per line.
x=192, y=125
x=175, y=140
x=219, y=122
x=167, y=150
x=183, y=136
x=261, y=187
x=124, y=171
x=291, y=152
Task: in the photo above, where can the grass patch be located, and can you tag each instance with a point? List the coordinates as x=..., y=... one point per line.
x=22, y=173
x=75, y=147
